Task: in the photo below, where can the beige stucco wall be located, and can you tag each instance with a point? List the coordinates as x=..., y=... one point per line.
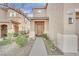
x=5, y=19
x=39, y=12
x=24, y=22
x=3, y=15
x=58, y=18
x=59, y=28
x=70, y=28
x=46, y=26
x=55, y=13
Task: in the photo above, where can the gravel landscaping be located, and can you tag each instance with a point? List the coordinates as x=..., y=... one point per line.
x=14, y=50
x=50, y=49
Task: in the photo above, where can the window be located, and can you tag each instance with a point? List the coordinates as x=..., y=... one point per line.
x=39, y=11
x=70, y=20
x=12, y=14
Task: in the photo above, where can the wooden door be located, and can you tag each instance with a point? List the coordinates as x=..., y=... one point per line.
x=39, y=27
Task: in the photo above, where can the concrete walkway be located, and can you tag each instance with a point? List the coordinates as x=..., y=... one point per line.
x=38, y=48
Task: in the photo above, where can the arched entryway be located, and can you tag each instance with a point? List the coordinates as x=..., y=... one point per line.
x=16, y=28
x=3, y=30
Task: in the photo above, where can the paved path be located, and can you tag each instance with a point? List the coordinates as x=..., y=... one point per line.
x=38, y=48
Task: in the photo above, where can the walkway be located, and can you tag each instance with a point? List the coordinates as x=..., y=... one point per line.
x=38, y=48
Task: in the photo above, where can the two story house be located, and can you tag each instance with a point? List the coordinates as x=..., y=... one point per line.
x=39, y=21
x=11, y=21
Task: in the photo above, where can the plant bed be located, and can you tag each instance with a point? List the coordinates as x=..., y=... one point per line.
x=51, y=48
x=45, y=35
x=5, y=42
x=14, y=50
x=21, y=40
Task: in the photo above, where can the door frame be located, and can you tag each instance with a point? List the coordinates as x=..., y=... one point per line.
x=38, y=23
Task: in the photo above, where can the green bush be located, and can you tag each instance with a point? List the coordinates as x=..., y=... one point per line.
x=45, y=36
x=22, y=32
x=10, y=35
x=51, y=44
x=15, y=34
x=21, y=40
x=5, y=42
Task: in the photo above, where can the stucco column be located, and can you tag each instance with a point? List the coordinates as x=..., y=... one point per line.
x=46, y=26
x=0, y=30
x=10, y=28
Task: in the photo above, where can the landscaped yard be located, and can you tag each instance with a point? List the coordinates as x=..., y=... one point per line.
x=51, y=48
x=14, y=50
x=16, y=44
x=5, y=42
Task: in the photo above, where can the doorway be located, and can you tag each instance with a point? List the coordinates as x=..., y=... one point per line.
x=16, y=28
x=3, y=30
x=39, y=28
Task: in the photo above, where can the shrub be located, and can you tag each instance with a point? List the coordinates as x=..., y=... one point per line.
x=5, y=42
x=15, y=34
x=51, y=44
x=21, y=40
x=22, y=32
x=10, y=35
x=45, y=36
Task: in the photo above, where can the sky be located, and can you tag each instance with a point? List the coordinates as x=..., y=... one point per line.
x=28, y=6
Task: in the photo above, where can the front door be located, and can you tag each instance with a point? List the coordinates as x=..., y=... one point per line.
x=39, y=27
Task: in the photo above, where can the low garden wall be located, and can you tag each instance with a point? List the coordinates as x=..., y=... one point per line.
x=67, y=43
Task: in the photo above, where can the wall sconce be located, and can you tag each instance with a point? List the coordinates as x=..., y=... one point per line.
x=70, y=20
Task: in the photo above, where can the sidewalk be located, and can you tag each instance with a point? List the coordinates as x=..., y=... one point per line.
x=38, y=48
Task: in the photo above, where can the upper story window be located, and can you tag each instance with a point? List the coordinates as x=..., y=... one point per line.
x=12, y=14
x=39, y=11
